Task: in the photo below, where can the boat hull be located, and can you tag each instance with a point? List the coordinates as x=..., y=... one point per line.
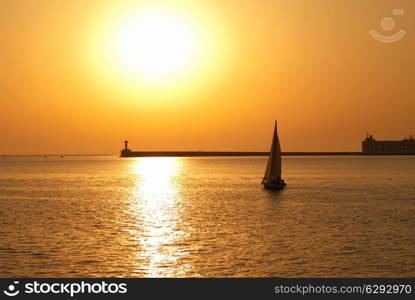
x=274, y=185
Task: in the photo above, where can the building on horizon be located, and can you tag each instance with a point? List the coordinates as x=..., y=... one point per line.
x=371, y=146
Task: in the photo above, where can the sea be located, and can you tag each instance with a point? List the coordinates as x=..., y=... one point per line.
x=105, y=216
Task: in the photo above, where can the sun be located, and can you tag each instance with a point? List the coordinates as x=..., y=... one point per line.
x=155, y=44
x=153, y=53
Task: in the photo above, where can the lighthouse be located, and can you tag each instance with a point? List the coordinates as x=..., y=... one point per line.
x=125, y=152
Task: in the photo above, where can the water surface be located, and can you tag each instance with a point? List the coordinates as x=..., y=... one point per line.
x=185, y=217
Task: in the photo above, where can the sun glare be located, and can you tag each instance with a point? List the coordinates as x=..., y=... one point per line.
x=155, y=44
x=151, y=54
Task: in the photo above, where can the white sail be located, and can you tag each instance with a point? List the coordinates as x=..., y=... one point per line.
x=273, y=171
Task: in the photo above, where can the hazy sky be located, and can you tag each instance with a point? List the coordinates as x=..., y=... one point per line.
x=66, y=87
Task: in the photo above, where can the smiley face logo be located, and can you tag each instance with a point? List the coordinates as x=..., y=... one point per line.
x=388, y=24
x=11, y=290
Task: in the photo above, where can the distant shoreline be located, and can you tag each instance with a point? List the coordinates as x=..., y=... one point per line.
x=50, y=155
x=207, y=154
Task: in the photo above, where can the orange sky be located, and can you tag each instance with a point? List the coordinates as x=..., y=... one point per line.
x=310, y=64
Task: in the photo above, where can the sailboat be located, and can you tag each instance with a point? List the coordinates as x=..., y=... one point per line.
x=272, y=177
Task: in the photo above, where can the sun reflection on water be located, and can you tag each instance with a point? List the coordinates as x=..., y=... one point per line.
x=156, y=202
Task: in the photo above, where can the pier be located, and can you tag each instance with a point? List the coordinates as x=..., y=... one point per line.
x=240, y=153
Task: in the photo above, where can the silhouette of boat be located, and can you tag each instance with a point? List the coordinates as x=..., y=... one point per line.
x=272, y=177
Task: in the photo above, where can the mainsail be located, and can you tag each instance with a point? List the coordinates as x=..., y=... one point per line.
x=273, y=171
